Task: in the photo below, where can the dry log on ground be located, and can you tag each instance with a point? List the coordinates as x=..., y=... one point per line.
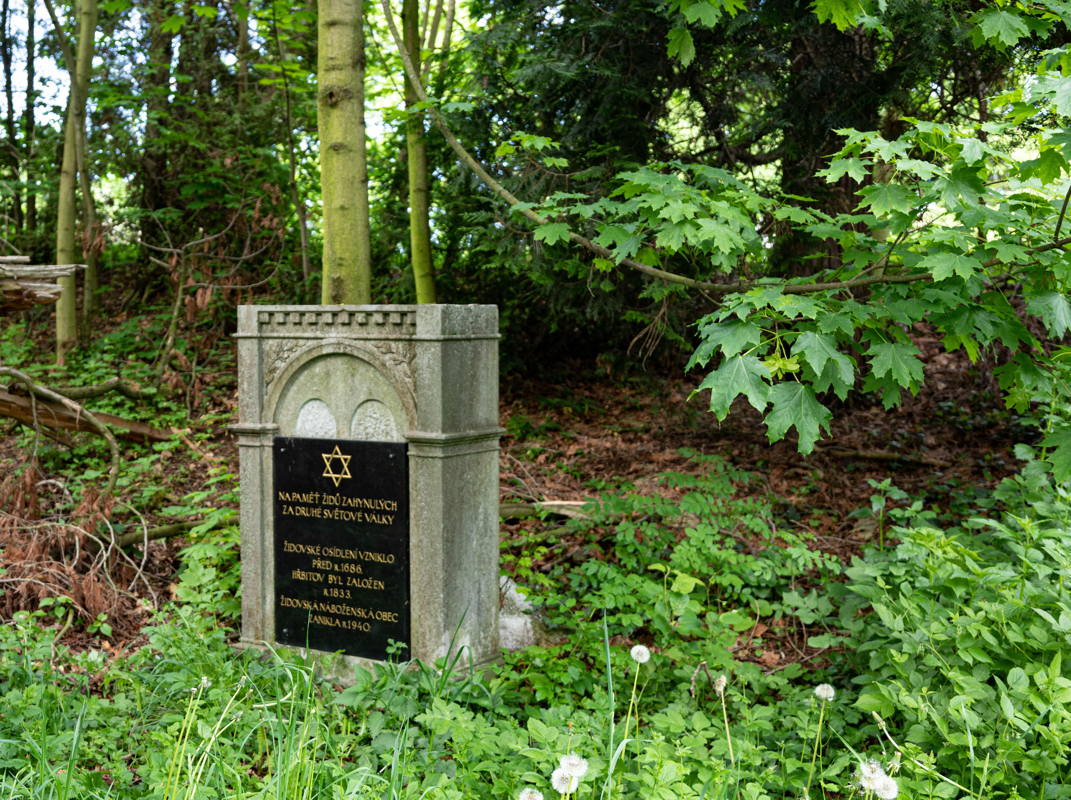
x=40, y=411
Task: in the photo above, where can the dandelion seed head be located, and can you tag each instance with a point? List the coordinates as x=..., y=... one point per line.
x=528, y=793
x=870, y=775
x=824, y=692
x=719, y=685
x=640, y=654
x=563, y=782
x=886, y=788
x=573, y=765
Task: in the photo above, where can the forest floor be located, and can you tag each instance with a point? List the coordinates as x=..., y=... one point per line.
x=566, y=440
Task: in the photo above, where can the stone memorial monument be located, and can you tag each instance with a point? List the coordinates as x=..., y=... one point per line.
x=368, y=448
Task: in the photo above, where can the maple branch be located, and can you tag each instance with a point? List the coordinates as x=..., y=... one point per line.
x=515, y=203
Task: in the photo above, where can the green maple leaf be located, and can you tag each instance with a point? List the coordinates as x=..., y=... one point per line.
x=1047, y=167
x=795, y=406
x=731, y=338
x=552, y=232
x=1005, y=27
x=842, y=13
x=973, y=150
x=739, y=375
x=962, y=185
x=838, y=375
x=704, y=13
x=681, y=45
x=885, y=198
x=672, y=236
x=898, y=361
x=816, y=349
x=1060, y=455
x=945, y=265
x=1061, y=96
x=720, y=235
x=856, y=168
x=1053, y=309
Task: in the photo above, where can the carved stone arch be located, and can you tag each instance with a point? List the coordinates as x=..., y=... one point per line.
x=345, y=376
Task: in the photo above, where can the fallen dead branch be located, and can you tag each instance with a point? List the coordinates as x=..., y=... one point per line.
x=537, y=508
x=879, y=455
x=60, y=411
x=43, y=404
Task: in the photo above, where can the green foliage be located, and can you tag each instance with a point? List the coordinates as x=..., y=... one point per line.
x=959, y=637
x=954, y=637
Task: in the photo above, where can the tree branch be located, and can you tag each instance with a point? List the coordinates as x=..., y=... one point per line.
x=515, y=203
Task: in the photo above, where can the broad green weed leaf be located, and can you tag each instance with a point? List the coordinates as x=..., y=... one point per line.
x=1060, y=454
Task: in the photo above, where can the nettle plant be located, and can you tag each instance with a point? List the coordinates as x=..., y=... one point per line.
x=962, y=230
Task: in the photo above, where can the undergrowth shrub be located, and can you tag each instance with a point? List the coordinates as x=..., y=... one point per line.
x=960, y=637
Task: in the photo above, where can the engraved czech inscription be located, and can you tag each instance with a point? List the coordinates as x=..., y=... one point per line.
x=342, y=545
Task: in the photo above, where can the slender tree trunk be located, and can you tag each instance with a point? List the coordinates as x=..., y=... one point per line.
x=11, y=147
x=417, y=166
x=347, y=267
x=155, y=89
x=291, y=151
x=92, y=244
x=243, y=52
x=66, y=250
x=28, y=121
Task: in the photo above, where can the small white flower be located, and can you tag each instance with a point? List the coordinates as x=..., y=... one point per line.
x=824, y=692
x=563, y=782
x=719, y=685
x=574, y=765
x=528, y=793
x=205, y=682
x=886, y=788
x=640, y=654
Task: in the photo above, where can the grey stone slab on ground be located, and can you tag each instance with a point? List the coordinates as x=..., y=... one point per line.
x=426, y=376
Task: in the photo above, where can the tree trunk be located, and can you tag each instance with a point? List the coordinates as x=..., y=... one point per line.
x=417, y=164
x=92, y=243
x=12, y=147
x=347, y=267
x=833, y=76
x=155, y=89
x=66, y=251
x=28, y=120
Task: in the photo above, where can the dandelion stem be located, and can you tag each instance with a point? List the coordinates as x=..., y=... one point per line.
x=919, y=764
x=728, y=736
x=817, y=743
x=632, y=704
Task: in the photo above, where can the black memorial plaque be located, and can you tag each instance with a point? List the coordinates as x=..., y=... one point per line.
x=341, y=545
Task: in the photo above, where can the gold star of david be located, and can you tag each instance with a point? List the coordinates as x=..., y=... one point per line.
x=329, y=469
